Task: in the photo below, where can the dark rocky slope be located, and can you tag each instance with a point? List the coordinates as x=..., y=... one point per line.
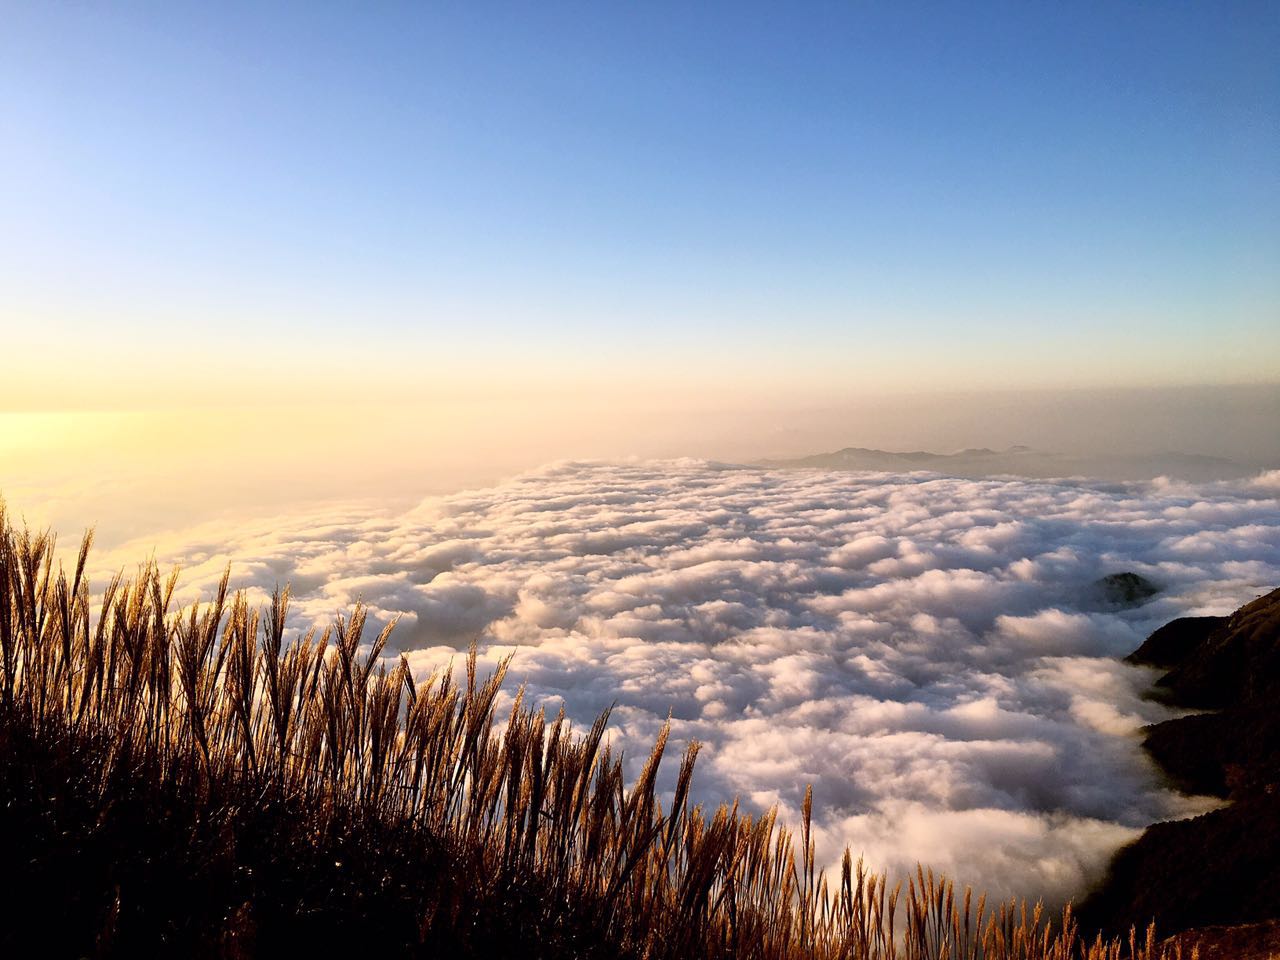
x=1222, y=868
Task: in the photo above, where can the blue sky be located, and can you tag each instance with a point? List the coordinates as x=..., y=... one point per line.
x=703, y=188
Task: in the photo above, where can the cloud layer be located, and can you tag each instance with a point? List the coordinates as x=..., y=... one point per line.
x=926, y=651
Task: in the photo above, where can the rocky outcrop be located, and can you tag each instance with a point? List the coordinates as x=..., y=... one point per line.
x=1124, y=590
x=1175, y=640
x=1249, y=941
x=1237, y=662
x=1222, y=868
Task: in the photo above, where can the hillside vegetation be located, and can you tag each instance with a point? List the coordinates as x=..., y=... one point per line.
x=202, y=782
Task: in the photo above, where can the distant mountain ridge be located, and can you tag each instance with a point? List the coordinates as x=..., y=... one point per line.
x=1026, y=461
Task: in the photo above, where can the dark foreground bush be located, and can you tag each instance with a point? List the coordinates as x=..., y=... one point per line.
x=186, y=782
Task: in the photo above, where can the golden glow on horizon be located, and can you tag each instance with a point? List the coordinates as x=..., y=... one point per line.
x=151, y=469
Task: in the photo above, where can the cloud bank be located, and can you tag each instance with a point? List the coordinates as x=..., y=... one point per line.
x=926, y=651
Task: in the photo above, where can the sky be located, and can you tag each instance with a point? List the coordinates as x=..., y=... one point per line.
x=725, y=200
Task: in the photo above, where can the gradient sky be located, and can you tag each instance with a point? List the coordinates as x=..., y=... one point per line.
x=730, y=197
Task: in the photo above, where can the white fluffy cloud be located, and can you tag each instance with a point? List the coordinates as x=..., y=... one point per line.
x=925, y=651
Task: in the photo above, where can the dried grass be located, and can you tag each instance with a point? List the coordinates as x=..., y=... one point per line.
x=208, y=742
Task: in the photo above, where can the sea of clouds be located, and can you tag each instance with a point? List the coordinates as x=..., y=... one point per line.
x=927, y=652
